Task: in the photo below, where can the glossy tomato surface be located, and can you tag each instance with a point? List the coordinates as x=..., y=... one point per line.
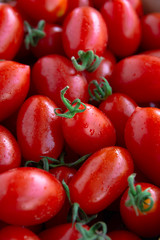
x=39, y=130
x=142, y=136
x=29, y=196
x=101, y=179
x=84, y=29
x=123, y=235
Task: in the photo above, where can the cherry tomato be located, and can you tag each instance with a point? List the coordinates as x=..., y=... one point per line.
x=11, y=31
x=52, y=73
x=14, y=86
x=51, y=43
x=142, y=136
x=61, y=232
x=39, y=130
x=145, y=224
x=150, y=31
x=123, y=27
x=91, y=130
x=17, y=233
x=10, y=155
x=123, y=235
x=84, y=29
x=48, y=10
x=138, y=77
x=118, y=108
x=101, y=179
x=29, y=196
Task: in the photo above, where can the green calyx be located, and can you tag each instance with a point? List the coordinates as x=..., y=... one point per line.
x=102, y=90
x=97, y=231
x=86, y=61
x=72, y=110
x=138, y=198
x=34, y=34
x=46, y=163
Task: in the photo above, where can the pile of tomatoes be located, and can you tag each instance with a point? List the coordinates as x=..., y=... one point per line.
x=80, y=120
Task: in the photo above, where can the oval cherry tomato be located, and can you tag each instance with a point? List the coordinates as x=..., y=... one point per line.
x=91, y=130
x=142, y=136
x=123, y=235
x=14, y=86
x=118, y=107
x=138, y=77
x=84, y=29
x=150, y=31
x=10, y=155
x=29, y=196
x=52, y=73
x=48, y=10
x=39, y=130
x=123, y=27
x=145, y=224
x=11, y=31
x=101, y=179
x=17, y=233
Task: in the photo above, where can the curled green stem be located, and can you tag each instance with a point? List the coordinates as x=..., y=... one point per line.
x=72, y=110
x=102, y=90
x=137, y=197
x=97, y=231
x=34, y=34
x=86, y=61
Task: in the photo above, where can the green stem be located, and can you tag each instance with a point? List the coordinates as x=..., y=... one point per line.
x=86, y=61
x=72, y=110
x=137, y=197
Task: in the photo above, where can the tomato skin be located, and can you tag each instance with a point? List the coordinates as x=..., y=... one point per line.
x=84, y=29
x=18, y=233
x=29, y=196
x=11, y=31
x=122, y=235
x=50, y=74
x=123, y=26
x=10, y=155
x=61, y=232
x=87, y=134
x=101, y=179
x=39, y=130
x=150, y=24
x=138, y=77
x=118, y=107
x=142, y=136
x=63, y=173
x=145, y=225
x=51, y=43
x=14, y=86
x=48, y=10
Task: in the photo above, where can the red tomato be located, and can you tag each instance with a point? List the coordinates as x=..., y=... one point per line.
x=154, y=52
x=11, y=31
x=39, y=130
x=122, y=235
x=145, y=224
x=88, y=131
x=10, y=155
x=48, y=10
x=52, y=73
x=101, y=179
x=51, y=43
x=118, y=108
x=29, y=196
x=61, y=232
x=17, y=233
x=84, y=29
x=63, y=173
x=14, y=86
x=142, y=136
x=123, y=27
x=150, y=31
x=138, y=77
